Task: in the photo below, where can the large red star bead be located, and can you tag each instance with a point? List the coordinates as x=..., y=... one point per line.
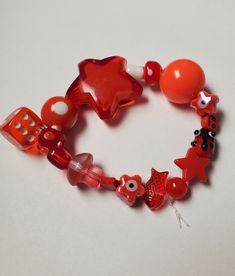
x=193, y=165
x=130, y=189
x=105, y=85
x=155, y=190
x=205, y=103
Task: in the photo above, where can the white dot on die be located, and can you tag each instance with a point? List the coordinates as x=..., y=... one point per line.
x=32, y=123
x=17, y=125
x=60, y=108
x=25, y=116
x=30, y=138
x=24, y=131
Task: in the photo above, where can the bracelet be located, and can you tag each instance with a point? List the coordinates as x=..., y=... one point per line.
x=107, y=85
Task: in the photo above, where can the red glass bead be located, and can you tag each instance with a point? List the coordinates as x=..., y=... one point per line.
x=130, y=189
x=21, y=128
x=60, y=158
x=204, y=142
x=152, y=72
x=210, y=122
x=59, y=112
x=49, y=139
x=82, y=170
x=51, y=142
x=104, y=85
x=110, y=183
x=155, y=190
x=181, y=80
x=176, y=187
x=193, y=165
x=205, y=103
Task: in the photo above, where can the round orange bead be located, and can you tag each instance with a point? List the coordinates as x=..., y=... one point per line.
x=59, y=112
x=181, y=80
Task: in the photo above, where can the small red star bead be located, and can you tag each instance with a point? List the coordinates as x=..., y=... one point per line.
x=105, y=85
x=155, y=190
x=205, y=103
x=193, y=165
x=130, y=189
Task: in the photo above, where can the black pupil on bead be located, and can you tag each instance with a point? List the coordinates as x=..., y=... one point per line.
x=131, y=185
x=204, y=147
x=203, y=102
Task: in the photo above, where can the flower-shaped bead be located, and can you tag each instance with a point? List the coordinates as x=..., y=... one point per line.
x=130, y=189
x=205, y=103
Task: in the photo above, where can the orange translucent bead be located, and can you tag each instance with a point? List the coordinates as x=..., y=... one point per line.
x=59, y=112
x=181, y=80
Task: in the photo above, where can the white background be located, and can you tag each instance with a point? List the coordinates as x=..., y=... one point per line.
x=48, y=227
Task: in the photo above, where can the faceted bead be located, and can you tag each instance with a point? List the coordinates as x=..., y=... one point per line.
x=82, y=170
x=51, y=142
x=205, y=103
x=176, y=187
x=104, y=85
x=59, y=112
x=155, y=190
x=21, y=128
x=130, y=189
x=210, y=122
x=152, y=72
x=181, y=80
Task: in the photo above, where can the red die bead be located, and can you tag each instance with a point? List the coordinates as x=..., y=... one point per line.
x=51, y=141
x=181, y=80
x=205, y=103
x=104, y=85
x=152, y=72
x=155, y=190
x=210, y=122
x=130, y=189
x=59, y=112
x=21, y=128
x=176, y=187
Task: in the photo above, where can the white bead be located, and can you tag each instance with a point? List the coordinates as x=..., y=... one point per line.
x=60, y=108
x=136, y=72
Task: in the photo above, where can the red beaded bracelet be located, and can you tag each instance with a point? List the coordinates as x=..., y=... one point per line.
x=107, y=85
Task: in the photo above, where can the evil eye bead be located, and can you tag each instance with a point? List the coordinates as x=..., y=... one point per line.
x=131, y=185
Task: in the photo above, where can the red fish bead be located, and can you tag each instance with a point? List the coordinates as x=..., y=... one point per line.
x=155, y=190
